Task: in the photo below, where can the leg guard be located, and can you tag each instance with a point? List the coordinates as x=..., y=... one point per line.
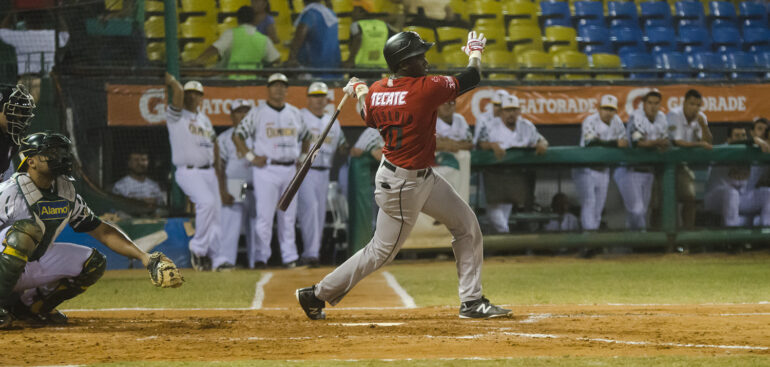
x=19, y=243
x=51, y=295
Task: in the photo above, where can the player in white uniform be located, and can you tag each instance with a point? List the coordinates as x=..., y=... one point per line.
x=311, y=197
x=647, y=128
x=601, y=128
x=489, y=116
x=454, y=141
x=237, y=203
x=194, y=150
x=504, y=186
x=276, y=128
x=370, y=141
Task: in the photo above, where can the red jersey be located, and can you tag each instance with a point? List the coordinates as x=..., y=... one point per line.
x=404, y=111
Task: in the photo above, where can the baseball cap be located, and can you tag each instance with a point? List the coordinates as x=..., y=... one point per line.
x=317, y=88
x=277, y=77
x=238, y=103
x=497, y=97
x=510, y=102
x=609, y=101
x=654, y=92
x=193, y=85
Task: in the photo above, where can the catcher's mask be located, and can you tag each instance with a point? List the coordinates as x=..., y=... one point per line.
x=54, y=147
x=18, y=107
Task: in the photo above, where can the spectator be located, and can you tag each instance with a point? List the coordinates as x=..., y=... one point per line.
x=601, y=128
x=136, y=184
x=731, y=192
x=367, y=39
x=490, y=115
x=759, y=134
x=509, y=186
x=647, y=128
x=453, y=142
x=242, y=48
x=316, y=43
x=689, y=128
x=567, y=221
x=264, y=21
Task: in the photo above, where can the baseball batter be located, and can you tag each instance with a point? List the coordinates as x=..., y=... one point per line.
x=403, y=108
x=16, y=111
x=647, y=128
x=237, y=204
x=311, y=198
x=603, y=128
x=36, y=273
x=194, y=150
x=275, y=128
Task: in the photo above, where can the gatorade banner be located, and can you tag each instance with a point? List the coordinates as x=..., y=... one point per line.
x=143, y=105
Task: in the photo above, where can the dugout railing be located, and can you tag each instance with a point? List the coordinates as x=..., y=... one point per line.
x=361, y=191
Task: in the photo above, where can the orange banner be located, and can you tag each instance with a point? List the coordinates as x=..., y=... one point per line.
x=141, y=105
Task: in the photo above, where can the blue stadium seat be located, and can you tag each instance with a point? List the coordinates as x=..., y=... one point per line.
x=756, y=39
x=638, y=60
x=674, y=63
x=661, y=39
x=722, y=13
x=706, y=63
x=627, y=40
x=689, y=13
x=589, y=13
x=693, y=39
x=753, y=14
x=727, y=38
x=762, y=59
x=622, y=14
x=656, y=14
x=555, y=13
x=739, y=60
x=595, y=39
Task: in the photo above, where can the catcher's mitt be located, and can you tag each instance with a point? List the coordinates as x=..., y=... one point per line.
x=163, y=271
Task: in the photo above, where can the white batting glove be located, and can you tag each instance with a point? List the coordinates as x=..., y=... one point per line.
x=475, y=45
x=356, y=88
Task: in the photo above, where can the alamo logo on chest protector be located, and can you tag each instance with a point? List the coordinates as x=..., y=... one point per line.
x=389, y=98
x=52, y=210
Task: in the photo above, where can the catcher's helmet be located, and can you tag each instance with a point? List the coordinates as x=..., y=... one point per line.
x=17, y=105
x=402, y=46
x=54, y=146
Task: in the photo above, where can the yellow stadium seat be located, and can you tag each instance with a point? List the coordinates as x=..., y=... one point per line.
x=454, y=58
x=499, y=59
x=434, y=58
x=153, y=6
x=156, y=51
x=525, y=37
x=520, y=12
x=460, y=7
x=113, y=5
x=155, y=27
x=426, y=33
x=560, y=38
x=195, y=6
x=342, y=6
x=343, y=28
x=285, y=30
x=493, y=31
x=192, y=50
x=501, y=76
x=451, y=35
x=280, y=7
x=198, y=28
x=297, y=5
x=571, y=60
x=232, y=6
x=484, y=9
x=227, y=23
x=605, y=61
x=535, y=60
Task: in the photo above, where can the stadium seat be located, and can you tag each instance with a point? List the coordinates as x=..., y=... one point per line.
x=622, y=14
x=706, y=63
x=571, y=60
x=493, y=30
x=605, y=61
x=689, y=13
x=739, y=60
x=520, y=13
x=428, y=34
x=560, y=38
x=756, y=39
x=762, y=60
x=694, y=39
x=231, y=6
x=589, y=13
x=638, y=60
x=434, y=57
x=627, y=40
x=227, y=23
x=451, y=35
x=722, y=13
x=454, y=57
x=198, y=28
x=535, y=60
x=655, y=14
x=727, y=38
x=343, y=28
x=344, y=7
x=199, y=6
x=499, y=59
x=753, y=14
x=153, y=6
x=555, y=13
x=661, y=39
x=674, y=63
x=484, y=9
x=192, y=50
x=594, y=39
x=523, y=38
x=155, y=27
x=156, y=51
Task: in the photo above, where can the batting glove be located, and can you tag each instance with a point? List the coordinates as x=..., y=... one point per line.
x=475, y=45
x=356, y=88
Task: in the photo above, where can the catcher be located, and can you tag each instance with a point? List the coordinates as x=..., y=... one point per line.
x=36, y=273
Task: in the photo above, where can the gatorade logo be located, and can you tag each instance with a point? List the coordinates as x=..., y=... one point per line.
x=53, y=210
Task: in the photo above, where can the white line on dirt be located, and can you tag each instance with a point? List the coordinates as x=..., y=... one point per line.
x=259, y=293
x=533, y=318
x=406, y=299
x=367, y=323
x=625, y=342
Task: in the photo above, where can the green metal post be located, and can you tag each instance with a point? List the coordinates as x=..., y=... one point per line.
x=176, y=199
x=668, y=186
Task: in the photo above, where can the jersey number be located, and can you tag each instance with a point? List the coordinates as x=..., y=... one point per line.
x=393, y=137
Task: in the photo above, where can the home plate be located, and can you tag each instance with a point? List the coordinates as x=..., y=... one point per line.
x=368, y=324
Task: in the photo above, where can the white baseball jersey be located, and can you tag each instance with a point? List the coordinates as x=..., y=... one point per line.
x=457, y=129
x=135, y=189
x=275, y=133
x=638, y=122
x=369, y=139
x=191, y=136
x=681, y=129
x=235, y=167
x=486, y=118
x=314, y=126
x=593, y=128
x=525, y=134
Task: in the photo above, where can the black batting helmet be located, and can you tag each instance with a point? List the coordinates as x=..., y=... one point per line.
x=402, y=46
x=17, y=105
x=54, y=146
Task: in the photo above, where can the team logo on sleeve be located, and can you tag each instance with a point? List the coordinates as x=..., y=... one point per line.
x=53, y=210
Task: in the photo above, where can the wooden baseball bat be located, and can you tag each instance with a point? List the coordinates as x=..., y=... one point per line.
x=291, y=191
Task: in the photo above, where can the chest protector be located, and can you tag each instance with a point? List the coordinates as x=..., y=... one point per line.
x=50, y=210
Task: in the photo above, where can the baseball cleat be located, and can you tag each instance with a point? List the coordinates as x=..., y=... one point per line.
x=22, y=312
x=5, y=319
x=481, y=309
x=313, y=307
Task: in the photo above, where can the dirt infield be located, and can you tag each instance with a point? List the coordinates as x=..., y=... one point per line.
x=280, y=331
